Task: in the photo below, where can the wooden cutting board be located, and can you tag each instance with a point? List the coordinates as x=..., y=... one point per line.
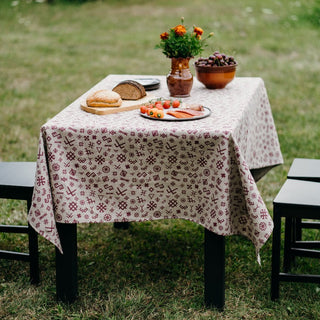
x=126, y=105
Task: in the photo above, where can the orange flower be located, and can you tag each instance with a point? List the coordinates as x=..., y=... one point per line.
x=198, y=31
x=164, y=35
x=180, y=30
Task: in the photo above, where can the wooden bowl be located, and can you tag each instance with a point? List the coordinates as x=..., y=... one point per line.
x=216, y=77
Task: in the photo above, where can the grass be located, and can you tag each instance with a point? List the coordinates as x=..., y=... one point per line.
x=50, y=54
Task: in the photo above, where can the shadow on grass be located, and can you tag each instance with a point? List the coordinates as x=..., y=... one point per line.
x=151, y=267
x=142, y=253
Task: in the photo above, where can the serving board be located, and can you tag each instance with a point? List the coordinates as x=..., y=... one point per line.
x=127, y=105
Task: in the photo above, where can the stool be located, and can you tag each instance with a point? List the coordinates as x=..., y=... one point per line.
x=301, y=169
x=16, y=182
x=305, y=169
x=296, y=199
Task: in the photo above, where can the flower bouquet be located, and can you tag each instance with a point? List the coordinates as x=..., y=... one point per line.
x=181, y=44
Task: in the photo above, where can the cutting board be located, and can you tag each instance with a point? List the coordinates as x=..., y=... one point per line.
x=126, y=105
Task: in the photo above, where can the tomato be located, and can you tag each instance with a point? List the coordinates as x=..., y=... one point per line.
x=166, y=104
x=159, y=106
x=143, y=109
x=176, y=104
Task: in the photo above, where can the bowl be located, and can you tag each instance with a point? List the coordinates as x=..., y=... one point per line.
x=215, y=77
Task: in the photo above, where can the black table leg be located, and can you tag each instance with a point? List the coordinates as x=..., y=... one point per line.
x=67, y=264
x=214, y=270
x=121, y=225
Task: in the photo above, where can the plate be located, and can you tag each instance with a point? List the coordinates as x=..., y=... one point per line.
x=149, y=83
x=206, y=113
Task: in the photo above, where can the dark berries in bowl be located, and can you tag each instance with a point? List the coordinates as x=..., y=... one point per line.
x=216, y=59
x=216, y=71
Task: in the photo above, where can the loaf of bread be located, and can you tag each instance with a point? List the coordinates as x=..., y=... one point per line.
x=103, y=99
x=130, y=90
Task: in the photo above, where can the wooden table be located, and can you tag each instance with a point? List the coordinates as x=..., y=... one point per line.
x=108, y=168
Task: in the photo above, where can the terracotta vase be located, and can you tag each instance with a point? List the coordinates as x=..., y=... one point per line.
x=180, y=78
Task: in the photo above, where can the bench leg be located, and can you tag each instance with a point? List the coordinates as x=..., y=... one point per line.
x=288, y=239
x=34, y=256
x=33, y=251
x=67, y=264
x=214, y=270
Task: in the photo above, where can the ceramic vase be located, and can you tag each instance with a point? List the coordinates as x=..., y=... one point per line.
x=180, y=79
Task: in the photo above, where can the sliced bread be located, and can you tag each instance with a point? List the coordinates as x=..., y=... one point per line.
x=130, y=90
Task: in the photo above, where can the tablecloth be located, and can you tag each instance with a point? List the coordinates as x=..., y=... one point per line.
x=123, y=167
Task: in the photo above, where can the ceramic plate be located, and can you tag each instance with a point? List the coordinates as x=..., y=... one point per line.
x=149, y=83
x=167, y=117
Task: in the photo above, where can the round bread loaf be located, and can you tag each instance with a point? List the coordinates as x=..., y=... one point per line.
x=130, y=90
x=104, y=98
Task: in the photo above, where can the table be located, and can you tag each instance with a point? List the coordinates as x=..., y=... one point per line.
x=122, y=167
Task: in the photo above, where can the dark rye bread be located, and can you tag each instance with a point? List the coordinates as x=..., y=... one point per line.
x=130, y=90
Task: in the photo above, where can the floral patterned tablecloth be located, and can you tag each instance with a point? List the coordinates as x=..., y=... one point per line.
x=123, y=167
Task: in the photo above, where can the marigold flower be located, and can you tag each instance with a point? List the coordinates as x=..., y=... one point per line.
x=164, y=35
x=198, y=31
x=180, y=30
x=182, y=42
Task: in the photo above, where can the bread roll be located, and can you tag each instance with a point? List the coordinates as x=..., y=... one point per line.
x=103, y=99
x=130, y=90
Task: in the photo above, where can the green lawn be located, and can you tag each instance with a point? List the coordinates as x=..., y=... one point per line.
x=51, y=54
